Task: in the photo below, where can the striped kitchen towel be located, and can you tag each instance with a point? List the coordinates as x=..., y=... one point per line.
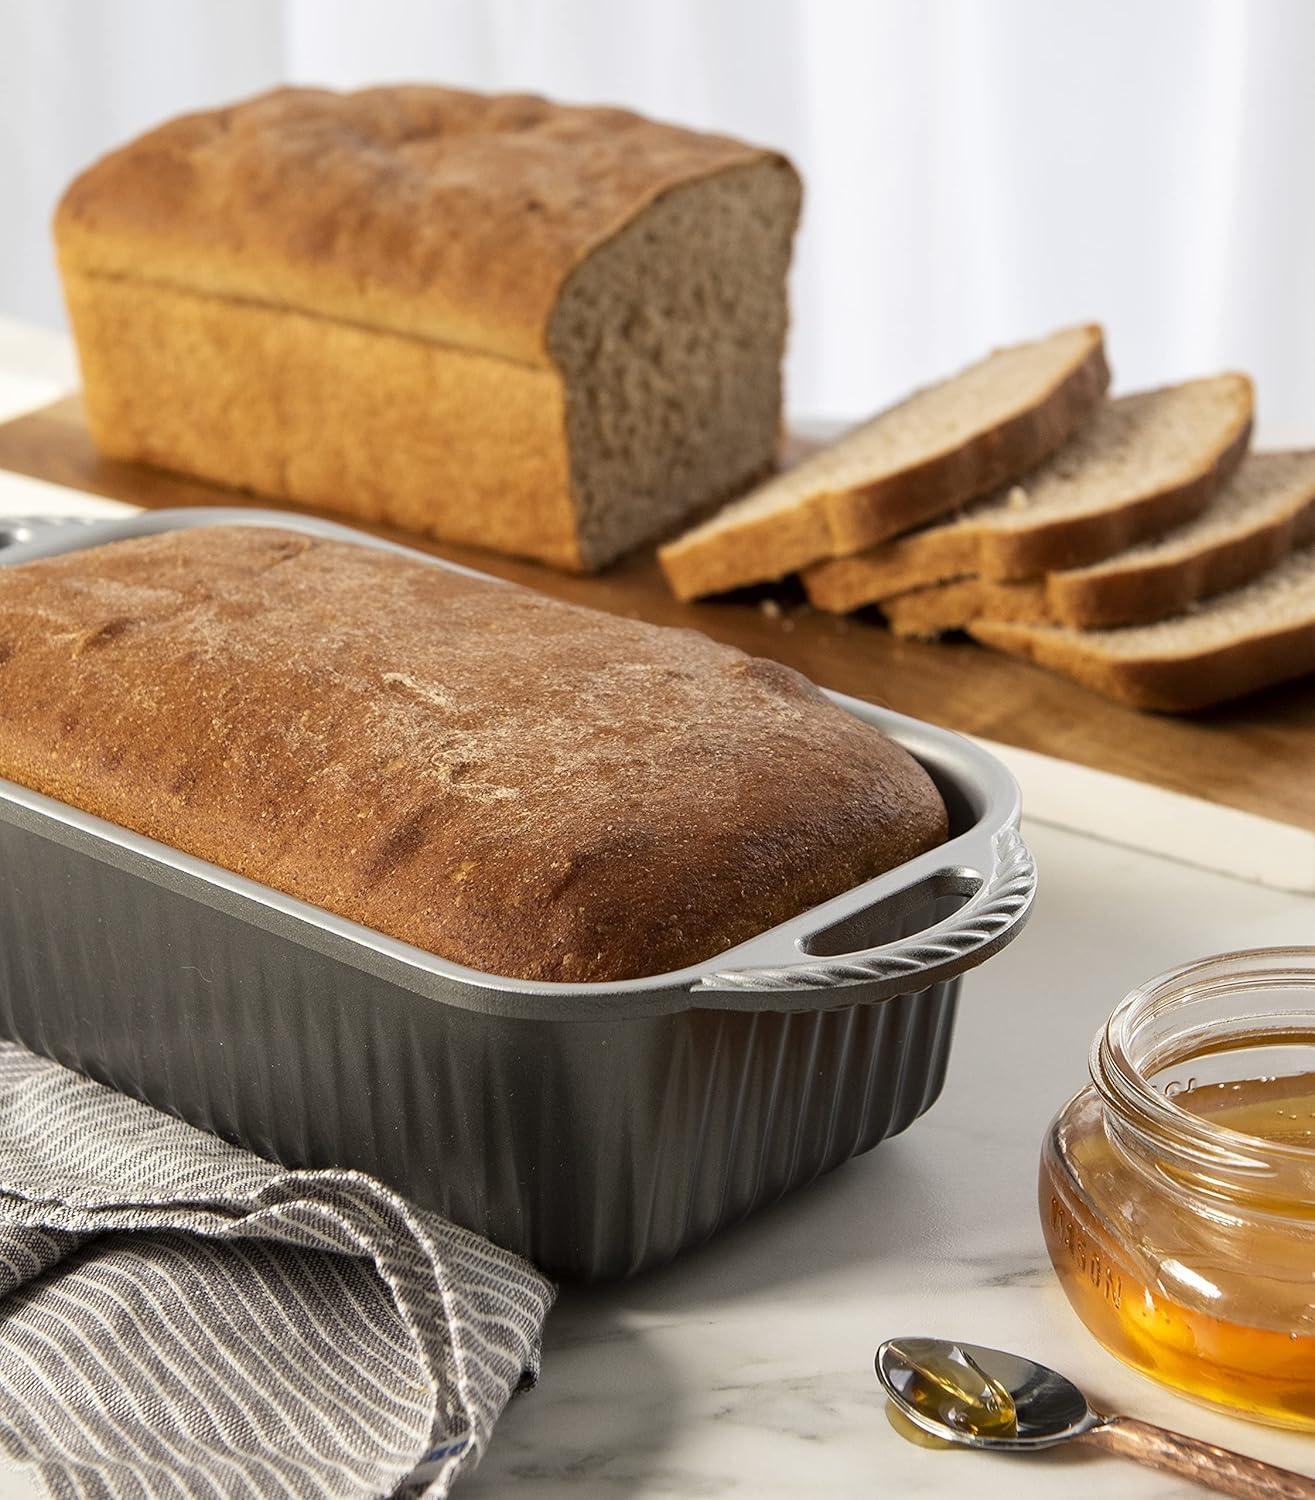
x=180, y=1318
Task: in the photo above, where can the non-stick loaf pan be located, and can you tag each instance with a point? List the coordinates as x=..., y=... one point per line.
x=597, y=1128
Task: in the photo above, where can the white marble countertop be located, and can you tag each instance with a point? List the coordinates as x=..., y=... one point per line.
x=746, y=1367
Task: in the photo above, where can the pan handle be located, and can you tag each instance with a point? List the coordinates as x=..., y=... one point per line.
x=994, y=914
x=16, y=529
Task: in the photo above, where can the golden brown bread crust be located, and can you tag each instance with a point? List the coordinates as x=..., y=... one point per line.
x=325, y=414
x=529, y=788
x=432, y=212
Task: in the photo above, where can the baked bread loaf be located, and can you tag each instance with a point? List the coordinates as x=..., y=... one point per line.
x=551, y=331
x=916, y=461
x=533, y=789
x=1231, y=645
x=1253, y=522
x=1143, y=464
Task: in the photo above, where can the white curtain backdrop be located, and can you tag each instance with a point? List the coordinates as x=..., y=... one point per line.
x=977, y=170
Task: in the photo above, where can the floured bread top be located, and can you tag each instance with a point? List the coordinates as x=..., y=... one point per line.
x=1267, y=489
x=529, y=788
x=431, y=212
x=1134, y=446
x=933, y=421
x=1281, y=599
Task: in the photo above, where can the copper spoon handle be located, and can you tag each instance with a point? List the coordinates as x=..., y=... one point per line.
x=1216, y=1468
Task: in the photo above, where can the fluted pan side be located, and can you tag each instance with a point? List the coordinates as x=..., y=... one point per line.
x=597, y=1147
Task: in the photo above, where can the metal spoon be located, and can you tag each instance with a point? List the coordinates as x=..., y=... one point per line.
x=1049, y=1409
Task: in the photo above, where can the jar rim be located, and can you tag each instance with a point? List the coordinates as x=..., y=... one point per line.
x=1125, y=1087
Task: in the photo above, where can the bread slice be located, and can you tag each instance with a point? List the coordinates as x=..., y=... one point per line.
x=1254, y=521
x=908, y=465
x=1240, y=641
x=1143, y=464
x=924, y=614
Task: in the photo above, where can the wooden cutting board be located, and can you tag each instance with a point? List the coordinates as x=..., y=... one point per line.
x=1257, y=756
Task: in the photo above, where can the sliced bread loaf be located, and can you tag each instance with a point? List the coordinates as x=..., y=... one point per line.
x=1143, y=464
x=547, y=330
x=1252, y=523
x=1238, y=642
x=910, y=464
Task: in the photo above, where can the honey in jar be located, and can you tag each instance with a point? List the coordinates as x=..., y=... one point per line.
x=1177, y=1192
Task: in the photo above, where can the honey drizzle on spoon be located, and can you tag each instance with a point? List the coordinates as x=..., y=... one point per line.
x=952, y=1389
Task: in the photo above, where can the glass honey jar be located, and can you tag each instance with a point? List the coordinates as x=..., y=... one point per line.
x=1177, y=1190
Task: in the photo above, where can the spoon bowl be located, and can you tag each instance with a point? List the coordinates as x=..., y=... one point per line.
x=1048, y=1407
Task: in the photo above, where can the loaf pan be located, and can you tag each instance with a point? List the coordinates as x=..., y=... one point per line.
x=597, y=1128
